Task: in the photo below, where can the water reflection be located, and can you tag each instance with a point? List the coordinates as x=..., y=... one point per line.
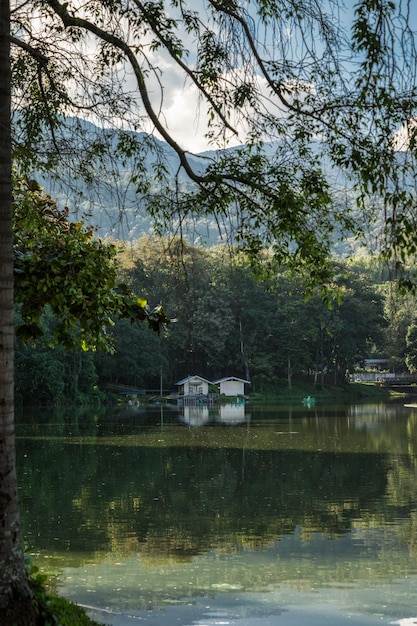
x=228, y=414
x=194, y=415
x=315, y=505
x=233, y=414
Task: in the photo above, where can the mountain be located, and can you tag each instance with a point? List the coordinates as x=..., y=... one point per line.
x=107, y=197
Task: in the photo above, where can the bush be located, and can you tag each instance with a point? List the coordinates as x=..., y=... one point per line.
x=52, y=610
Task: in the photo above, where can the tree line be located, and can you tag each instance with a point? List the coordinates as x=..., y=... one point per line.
x=228, y=323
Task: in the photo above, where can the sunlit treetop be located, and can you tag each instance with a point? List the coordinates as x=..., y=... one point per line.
x=60, y=265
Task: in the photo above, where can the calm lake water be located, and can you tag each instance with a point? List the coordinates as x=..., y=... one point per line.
x=244, y=516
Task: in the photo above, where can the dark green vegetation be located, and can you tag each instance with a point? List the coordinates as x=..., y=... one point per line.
x=67, y=613
x=53, y=610
x=351, y=392
x=228, y=324
x=61, y=268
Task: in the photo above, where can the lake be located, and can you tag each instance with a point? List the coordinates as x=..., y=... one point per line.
x=239, y=515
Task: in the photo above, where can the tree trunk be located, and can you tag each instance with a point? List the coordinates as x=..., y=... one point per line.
x=16, y=601
x=242, y=350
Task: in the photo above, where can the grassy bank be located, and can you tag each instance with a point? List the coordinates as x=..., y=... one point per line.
x=281, y=394
x=53, y=610
x=66, y=613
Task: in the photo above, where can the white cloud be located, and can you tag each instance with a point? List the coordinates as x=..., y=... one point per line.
x=403, y=137
x=185, y=118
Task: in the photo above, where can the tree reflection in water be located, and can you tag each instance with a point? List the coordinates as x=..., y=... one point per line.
x=308, y=499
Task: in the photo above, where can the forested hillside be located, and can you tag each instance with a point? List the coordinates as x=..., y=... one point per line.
x=228, y=324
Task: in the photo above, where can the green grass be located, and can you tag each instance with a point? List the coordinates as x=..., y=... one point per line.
x=66, y=613
x=352, y=391
x=54, y=610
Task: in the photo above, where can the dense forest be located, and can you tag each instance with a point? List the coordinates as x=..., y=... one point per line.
x=228, y=323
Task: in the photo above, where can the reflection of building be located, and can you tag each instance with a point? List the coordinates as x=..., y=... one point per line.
x=194, y=415
x=232, y=414
x=200, y=415
x=193, y=386
x=231, y=386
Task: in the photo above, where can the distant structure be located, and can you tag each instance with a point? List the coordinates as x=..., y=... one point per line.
x=376, y=364
x=195, y=389
x=231, y=386
x=193, y=386
x=375, y=370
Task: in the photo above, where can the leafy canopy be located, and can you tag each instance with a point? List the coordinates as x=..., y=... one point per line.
x=311, y=95
x=59, y=264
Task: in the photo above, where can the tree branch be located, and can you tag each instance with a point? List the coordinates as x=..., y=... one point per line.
x=77, y=22
x=35, y=52
x=188, y=72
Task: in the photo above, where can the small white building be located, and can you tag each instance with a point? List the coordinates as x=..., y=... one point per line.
x=231, y=386
x=193, y=386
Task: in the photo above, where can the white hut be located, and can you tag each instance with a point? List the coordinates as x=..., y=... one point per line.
x=193, y=386
x=231, y=386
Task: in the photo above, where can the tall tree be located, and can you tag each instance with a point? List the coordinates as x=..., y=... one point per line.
x=16, y=602
x=61, y=253
x=411, y=349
